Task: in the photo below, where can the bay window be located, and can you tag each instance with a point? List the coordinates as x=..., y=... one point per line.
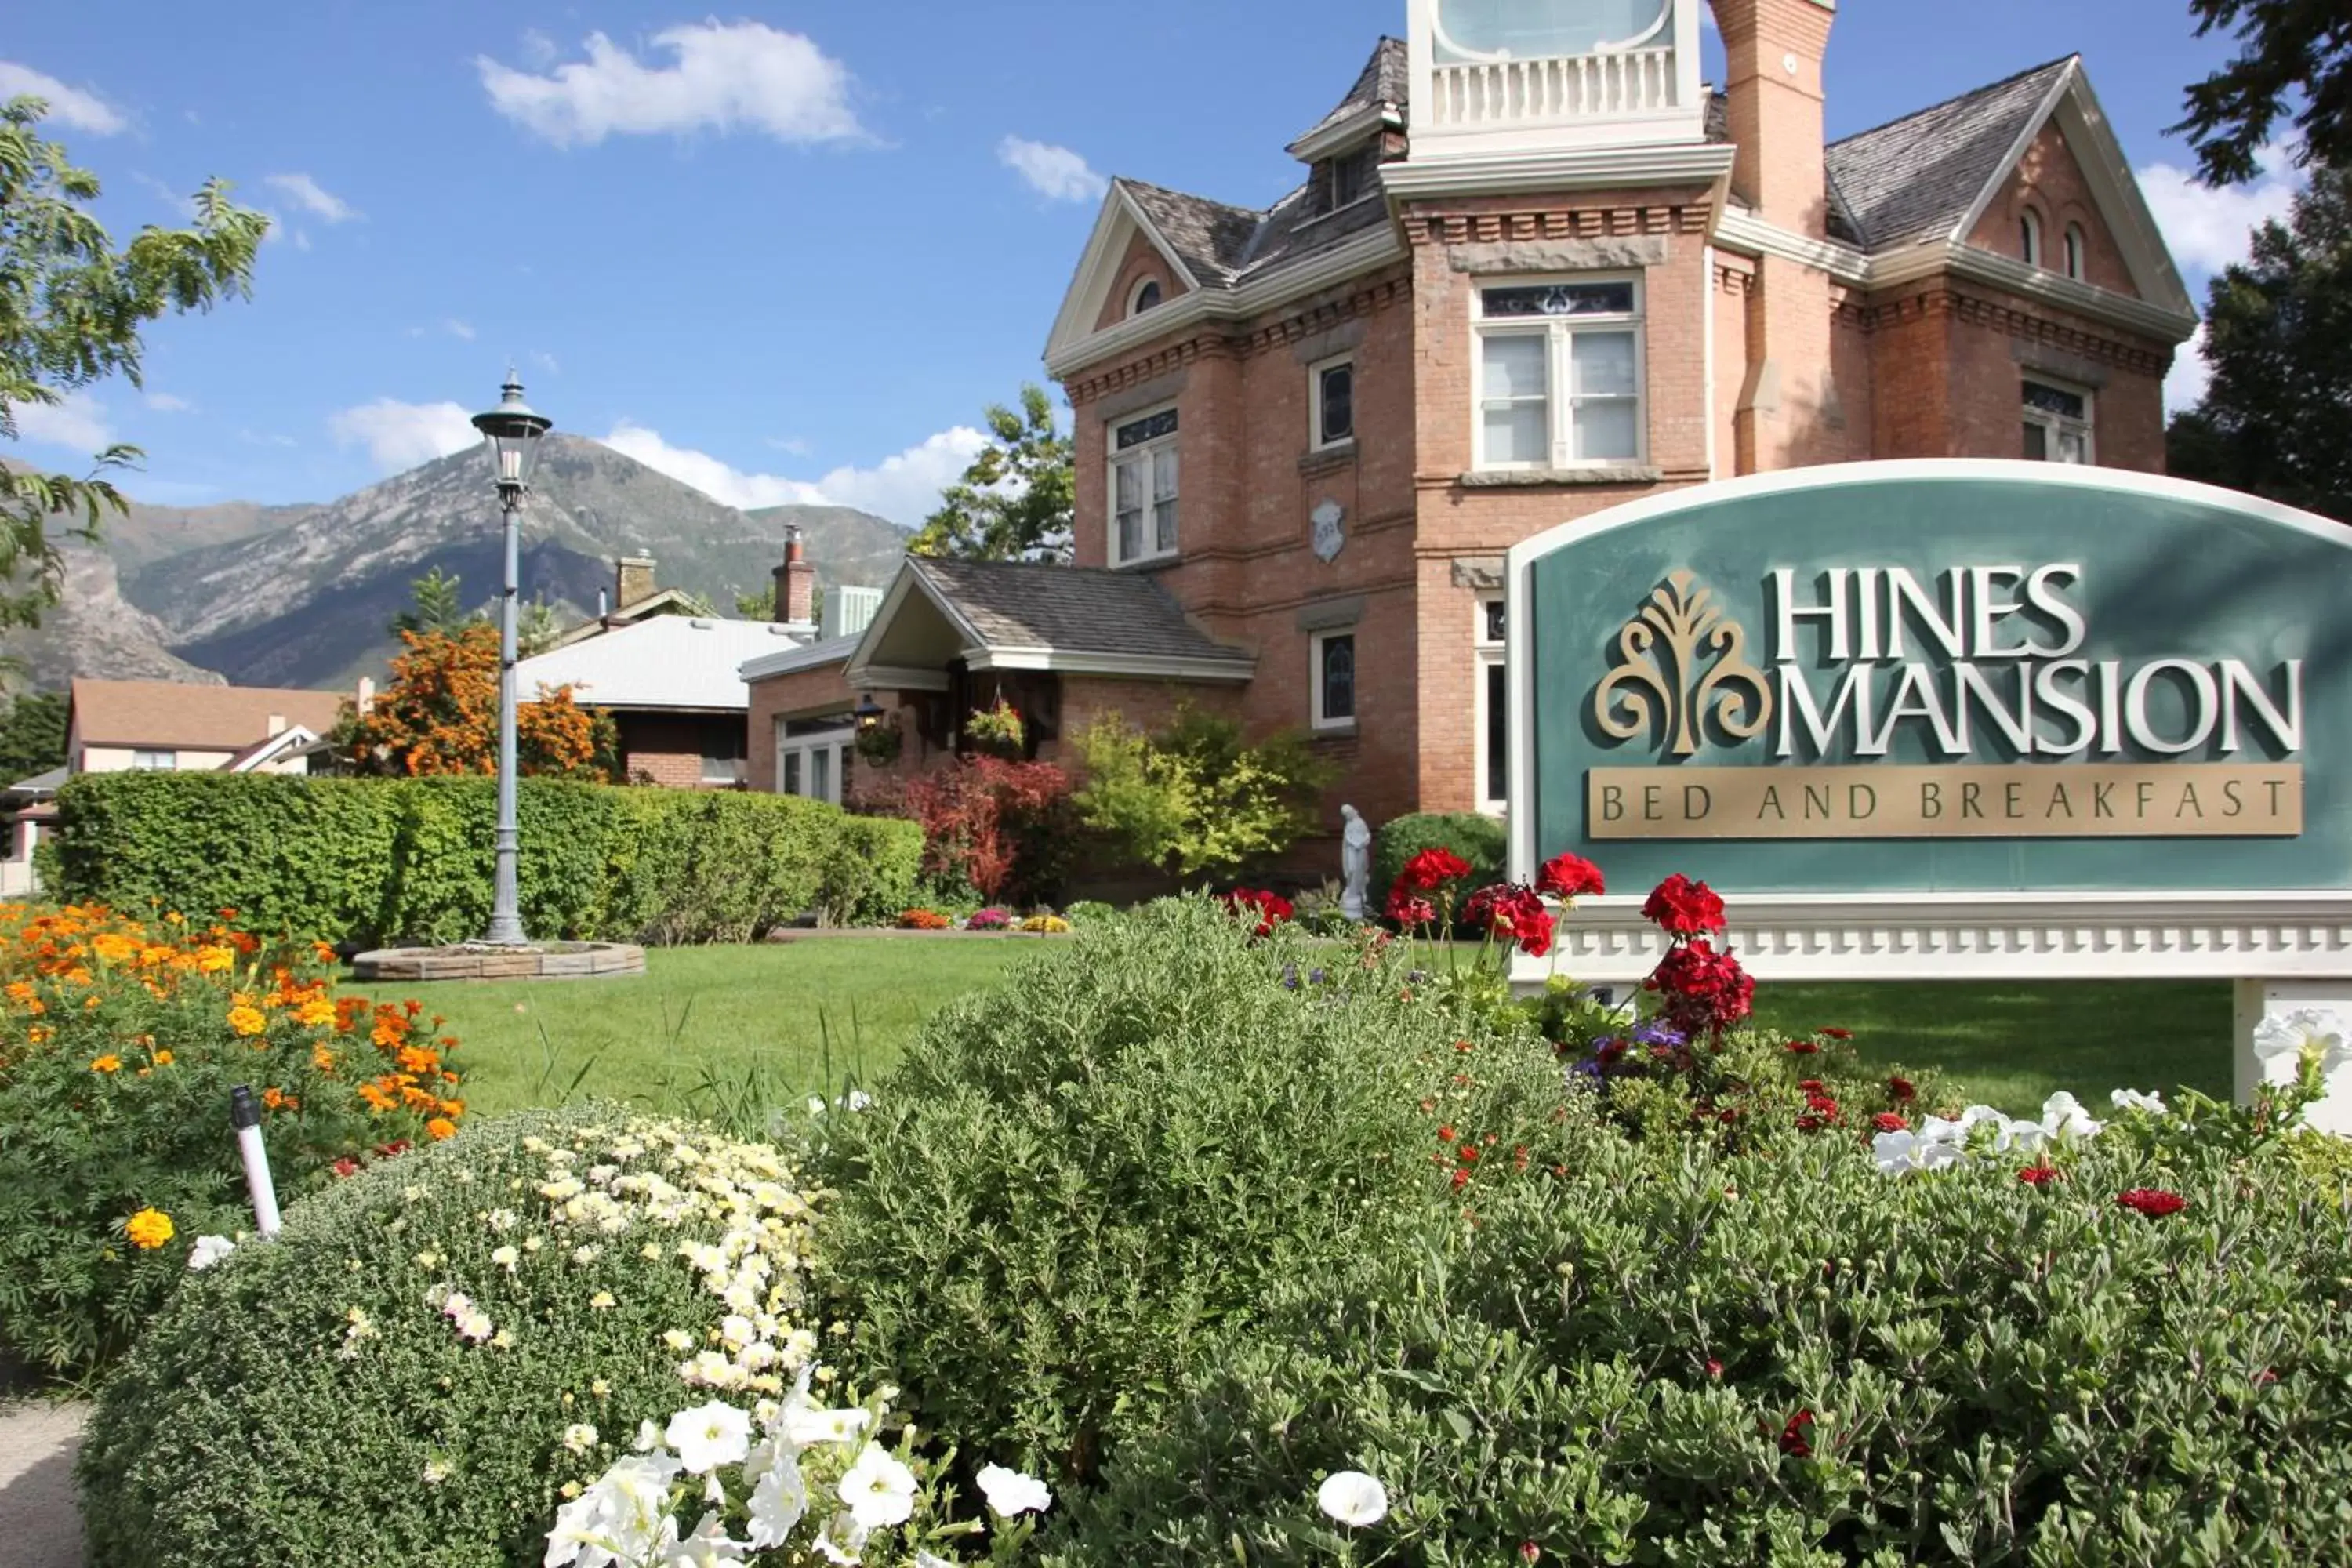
x=1559, y=374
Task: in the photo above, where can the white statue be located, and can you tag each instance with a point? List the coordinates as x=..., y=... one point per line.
x=1355, y=862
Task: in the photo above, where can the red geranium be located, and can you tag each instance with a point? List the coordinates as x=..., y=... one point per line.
x=1683, y=908
x=1903, y=1089
x=1271, y=909
x=1409, y=911
x=1432, y=868
x=1797, y=1437
x=2034, y=1176
x=1803, y=1047
x=1887, y=1122
x=1835, y=1033
x=1508, y=913
x=1569, y=877
x=2153, y=1202
x=1701, y=990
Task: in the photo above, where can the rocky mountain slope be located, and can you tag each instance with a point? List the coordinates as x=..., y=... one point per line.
x=302, y=599
x=94, y=631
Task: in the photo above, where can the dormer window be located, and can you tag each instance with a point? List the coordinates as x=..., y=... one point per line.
x=1353, y=177
x=1147, y=295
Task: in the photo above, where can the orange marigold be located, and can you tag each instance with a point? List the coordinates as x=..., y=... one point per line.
x=246, y=1019
x=163, y=1058
x=441, y=1127
x=278, y=1100
x=148, y=1229
x=107, y=1063
x=216, y=960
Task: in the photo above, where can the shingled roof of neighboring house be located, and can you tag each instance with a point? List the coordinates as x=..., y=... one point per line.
x=1917, y=177
x=162, y=714
x=1070, y=609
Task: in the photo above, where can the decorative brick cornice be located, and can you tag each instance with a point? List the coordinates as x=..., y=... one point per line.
x=1309, y=318
x=1552, y=220
x=2002, y=316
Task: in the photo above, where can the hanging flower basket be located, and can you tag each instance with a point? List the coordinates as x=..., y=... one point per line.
x=880, y=743
x=998, y=730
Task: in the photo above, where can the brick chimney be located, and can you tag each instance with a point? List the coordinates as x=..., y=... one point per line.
x=795, y=583
x=1773, y=49
x=632, y=579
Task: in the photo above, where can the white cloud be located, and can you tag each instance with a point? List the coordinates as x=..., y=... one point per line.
x=183, y=205
x=2184, y=386
x=457, y=329
x=402, y=435
x=2209, y=228
x=311, y=197
x=1054, y=173
x=727, y=77
x=164, y=403
x=71, y=107
x=904, y=488
x=77, y=423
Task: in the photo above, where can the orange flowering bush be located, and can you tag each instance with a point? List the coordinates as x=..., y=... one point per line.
x=120, y=1041
x=439, y=715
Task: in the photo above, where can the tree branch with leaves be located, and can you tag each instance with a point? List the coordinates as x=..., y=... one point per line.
x=71, y=307
x=1016, y=501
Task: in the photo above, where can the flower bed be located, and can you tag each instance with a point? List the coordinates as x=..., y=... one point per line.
x=120, y=1041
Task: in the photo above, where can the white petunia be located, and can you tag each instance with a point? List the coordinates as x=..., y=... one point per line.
x=709, y=1436
x=706, y=1547
x=2062, y=1116
x=853, y=1539
x=2290, y=1036
x=880, y=1491
x=779, y=1493
x=1010, y=1492
x=926, y=1560
x=808, y=1427
x=209, y=1250
x=436, y=1470
x=622, y=1519
x=579, y=1437
x=858, y=1099
x=2133, y=1099
x=1895, y=1152
x=1352, y=1497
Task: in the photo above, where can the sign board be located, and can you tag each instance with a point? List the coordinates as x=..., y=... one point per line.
x=1945, y=718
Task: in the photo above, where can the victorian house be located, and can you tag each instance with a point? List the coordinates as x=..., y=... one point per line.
x=1531, y=267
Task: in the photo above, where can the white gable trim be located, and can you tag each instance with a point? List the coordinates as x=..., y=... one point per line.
x=1135, y=666
x=1120, y=219
x=2113, y=188
x=299, y=737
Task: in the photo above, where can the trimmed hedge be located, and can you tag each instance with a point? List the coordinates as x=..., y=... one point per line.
x=1478, y=839
x=369, y=862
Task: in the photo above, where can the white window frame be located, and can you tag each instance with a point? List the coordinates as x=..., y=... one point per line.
x=1315, y=375
x=1487, y=654
x=154, y=759
x=1146, y=455
x=2075, y=259
x=1135, y=305
x=2056, y=425
x=839, y=742
x=1560, y=404
x=1318, y=720
x=2028, y=226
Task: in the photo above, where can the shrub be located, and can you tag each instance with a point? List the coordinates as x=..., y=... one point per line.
x=989, y=920
x=1195, y=800
x=119, y=1042
x=925, y=920
x=1478, y=839
x=1001, y=827
x=1663, y=1351
x=1068, y=1188
x=365, y=862
x=1090, y=912
x=394, y=1381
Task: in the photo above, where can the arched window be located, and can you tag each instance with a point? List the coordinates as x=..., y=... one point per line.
x=1147, y=295
x=2028, y=226
x=2075, y=251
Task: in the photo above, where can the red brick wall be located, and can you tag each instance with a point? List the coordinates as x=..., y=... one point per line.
x=1141, y=261
x=801, y=694
x=1775, y=111
x=668, y=749
x=2049, y=181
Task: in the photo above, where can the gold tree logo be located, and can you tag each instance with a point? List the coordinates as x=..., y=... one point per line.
x=1681, y=663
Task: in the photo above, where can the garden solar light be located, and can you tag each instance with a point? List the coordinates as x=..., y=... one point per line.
x=245, y=1115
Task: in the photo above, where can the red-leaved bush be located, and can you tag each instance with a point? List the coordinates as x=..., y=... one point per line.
x=1002, y=826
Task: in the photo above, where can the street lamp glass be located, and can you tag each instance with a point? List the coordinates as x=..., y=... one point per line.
x=512, y=431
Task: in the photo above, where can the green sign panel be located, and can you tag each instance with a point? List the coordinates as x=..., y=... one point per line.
x=1940, y=677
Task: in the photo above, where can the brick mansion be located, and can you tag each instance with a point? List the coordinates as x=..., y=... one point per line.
x=1531, y=267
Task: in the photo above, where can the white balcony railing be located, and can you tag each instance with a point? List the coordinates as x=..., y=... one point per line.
x=1497, y=95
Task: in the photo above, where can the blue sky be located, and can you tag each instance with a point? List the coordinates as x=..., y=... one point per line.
x=784, y=253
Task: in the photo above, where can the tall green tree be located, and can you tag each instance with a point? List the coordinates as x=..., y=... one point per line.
x=434, y=605
x=2294, y=56
x=71, y=307
x=1016, y=501
x=2276, y=419
x=32, y=735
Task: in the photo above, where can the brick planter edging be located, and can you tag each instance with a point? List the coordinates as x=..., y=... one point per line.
x=557, y=961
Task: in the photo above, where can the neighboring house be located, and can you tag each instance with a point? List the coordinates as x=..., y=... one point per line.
x=1534, y=269
x=28, y=813
x=115, y=726
x=633, y=597
x=669, y=675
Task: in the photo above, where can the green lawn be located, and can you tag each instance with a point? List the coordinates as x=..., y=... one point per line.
x=793, y=1017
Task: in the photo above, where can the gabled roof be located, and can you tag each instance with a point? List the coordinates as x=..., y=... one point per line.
x=680, y=662
x=165, y=715
x=1211, y=239
x=1379, y=93
x=1917, y=177
x=300, y=741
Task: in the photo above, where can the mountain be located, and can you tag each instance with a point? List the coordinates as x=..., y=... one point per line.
x=151, y=533
x=92, y=631
x=303, y=599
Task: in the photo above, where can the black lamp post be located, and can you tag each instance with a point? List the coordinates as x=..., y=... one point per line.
x=512, y=431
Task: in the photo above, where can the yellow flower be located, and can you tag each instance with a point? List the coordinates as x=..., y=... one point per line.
x=318, y=1013
x=247, y=1020
x=148, y=1229
x=163, y=1058
x=213, y=960
x=107, y=1063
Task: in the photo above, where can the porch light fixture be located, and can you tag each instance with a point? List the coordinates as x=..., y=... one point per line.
x=869, y=712
x=513, y=431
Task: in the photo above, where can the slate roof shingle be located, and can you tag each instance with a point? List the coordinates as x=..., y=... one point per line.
x=1917, y=177
x=1071, y=609
x=1380, y=85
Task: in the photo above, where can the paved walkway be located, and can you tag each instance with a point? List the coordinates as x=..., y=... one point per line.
x=39, y=1527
